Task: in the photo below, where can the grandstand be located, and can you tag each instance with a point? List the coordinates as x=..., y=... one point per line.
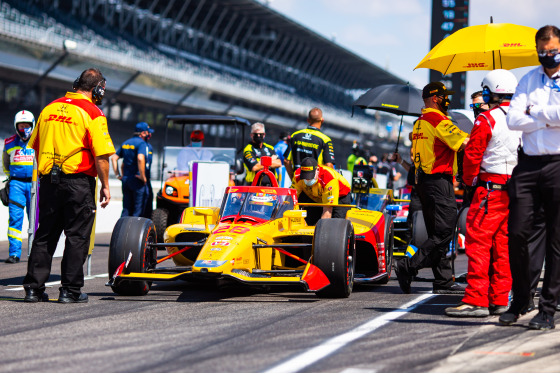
x=236, y=57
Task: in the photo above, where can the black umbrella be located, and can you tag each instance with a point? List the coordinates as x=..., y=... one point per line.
x=462, y=120
x=399, y=99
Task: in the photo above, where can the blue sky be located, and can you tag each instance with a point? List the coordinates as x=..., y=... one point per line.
x=395, y=34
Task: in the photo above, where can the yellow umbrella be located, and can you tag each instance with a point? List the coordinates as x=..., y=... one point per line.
x=484, y=47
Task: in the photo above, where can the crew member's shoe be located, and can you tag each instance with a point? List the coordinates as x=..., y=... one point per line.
x=12, y=260
x=66, y=297
x=467, y=310
x=542, y=321
x=497, y=310
x=403, y=276
x=34, y=296
x=511, y=315
x=454, y=289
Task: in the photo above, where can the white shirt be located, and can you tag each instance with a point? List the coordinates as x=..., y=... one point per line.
x=541, y=129
x=500, y=155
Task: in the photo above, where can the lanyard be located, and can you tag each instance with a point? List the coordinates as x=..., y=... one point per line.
x=553, y=86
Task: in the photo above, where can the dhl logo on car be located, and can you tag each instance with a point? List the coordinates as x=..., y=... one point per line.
x=509, y=45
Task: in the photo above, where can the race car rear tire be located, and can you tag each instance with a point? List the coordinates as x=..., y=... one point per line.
x=132, y=235
x=160, y=217
x=419, y=232
x=389, y=246
x=334, y=253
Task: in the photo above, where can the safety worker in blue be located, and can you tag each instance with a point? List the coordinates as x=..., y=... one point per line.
x=17, y=161
x=137, y=154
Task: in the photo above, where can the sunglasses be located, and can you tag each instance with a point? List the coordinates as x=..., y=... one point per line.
x=545, y=52
x=477, y=105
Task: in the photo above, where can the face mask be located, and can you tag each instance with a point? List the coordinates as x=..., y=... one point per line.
x=550, y=62
x=196, y=144
x=147, y=137
x=258, y=138
x=25, y=133
x=445, y=105
x=310, y=182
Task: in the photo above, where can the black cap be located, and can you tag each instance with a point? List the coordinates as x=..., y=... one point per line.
x=308, y=168
x=435, y=88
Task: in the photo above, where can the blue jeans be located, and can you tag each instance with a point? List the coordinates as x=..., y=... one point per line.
x=135, y=195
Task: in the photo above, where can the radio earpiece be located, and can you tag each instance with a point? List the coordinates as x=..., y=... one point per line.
x=98, y=92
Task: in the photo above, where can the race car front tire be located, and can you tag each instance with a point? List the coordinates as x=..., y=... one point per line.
x=131, y=237
x=334, y=253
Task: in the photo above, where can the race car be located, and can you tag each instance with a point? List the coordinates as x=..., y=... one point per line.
x=258, y=236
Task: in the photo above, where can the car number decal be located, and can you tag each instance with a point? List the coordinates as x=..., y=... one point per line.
x=233, y=229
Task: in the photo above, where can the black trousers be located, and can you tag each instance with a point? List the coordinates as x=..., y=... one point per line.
x=440, y=215
x=534, y=185
x=70, y=207
x=537, y=250
x=314, y=212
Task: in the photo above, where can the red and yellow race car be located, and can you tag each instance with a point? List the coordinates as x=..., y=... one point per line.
x=258, y=236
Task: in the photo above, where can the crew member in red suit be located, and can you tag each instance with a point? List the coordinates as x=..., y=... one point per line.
x=490, y=157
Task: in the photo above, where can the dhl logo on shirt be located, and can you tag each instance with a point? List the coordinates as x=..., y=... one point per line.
x=128, y=146
x=418, y=136
x=57, y=118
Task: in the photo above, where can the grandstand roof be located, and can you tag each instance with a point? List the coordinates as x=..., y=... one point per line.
x=267, y=29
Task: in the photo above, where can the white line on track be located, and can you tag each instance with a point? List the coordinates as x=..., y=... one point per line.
x=324, y=349
x=50, y=284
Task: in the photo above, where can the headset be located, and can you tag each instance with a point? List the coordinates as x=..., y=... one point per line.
x=486, y=95
x=98, y=91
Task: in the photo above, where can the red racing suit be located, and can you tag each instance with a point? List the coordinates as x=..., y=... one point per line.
x=490, y=157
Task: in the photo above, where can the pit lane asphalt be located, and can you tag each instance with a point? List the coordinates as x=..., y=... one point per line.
x=183, y=327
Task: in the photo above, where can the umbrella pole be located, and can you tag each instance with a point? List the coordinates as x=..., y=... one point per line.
x=399, y=136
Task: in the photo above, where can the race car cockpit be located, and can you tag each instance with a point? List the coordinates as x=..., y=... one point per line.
x=254, y=203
